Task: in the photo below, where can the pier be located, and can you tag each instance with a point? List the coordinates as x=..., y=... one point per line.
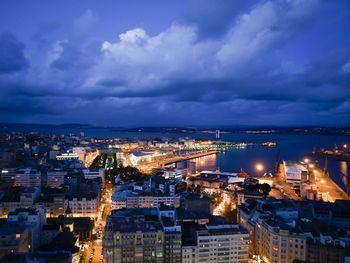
x=185, y=158
x=148, y=167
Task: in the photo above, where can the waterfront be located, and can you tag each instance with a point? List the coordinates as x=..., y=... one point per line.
x=289, y=147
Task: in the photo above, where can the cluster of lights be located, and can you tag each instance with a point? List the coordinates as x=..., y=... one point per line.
x=259, y=167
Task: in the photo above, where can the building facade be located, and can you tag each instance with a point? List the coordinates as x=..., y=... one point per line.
x=222, y=243
x=275, y=243
x=28, y=177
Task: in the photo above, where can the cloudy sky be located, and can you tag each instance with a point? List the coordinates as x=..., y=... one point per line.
x=193, y=63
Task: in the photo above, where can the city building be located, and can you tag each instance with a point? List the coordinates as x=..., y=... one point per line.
x=222, y=243
x=133, y=239
x=307, y=231
x=132, y=199
x=33, y=219
x=55, y=177
x=67, y=156
x=28, y=177
x=14, y=239
x=198, y=203
x=18, y=197
x=94, y=173
x=213, y=180
x=52, y=200
x=83, y=205
x=294, y=172
x=277, y=242
x=244, y=195
x=8, y=176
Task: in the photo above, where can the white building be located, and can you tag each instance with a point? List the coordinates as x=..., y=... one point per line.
x=55, y=177
x=129, y=199
x=83, y=206
x=222, y=243
x=67, y=156
x=189, y=254
x=293, y=172
x=28, y=177
x=275, y=243
x=94, y=173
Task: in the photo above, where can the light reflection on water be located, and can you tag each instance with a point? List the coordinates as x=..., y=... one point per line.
x=344, y=172
x=289, y=147
x=234, y=160
x=206, y=163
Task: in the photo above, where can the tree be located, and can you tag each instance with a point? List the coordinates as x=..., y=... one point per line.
x=230, y=214
x=127, y=173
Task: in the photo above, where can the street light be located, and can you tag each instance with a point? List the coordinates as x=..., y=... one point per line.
x=259, y=167
x=306, y=160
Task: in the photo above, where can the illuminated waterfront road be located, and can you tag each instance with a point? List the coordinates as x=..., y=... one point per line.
x=326, y=185
x=167, y=161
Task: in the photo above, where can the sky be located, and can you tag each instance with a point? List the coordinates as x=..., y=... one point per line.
x=174, y=63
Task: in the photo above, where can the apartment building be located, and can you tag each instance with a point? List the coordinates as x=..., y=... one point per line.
x=133, y=241
x=28, y=177
x=14, y=239
x=130, y=199
x=8, y=175
x=84, y=205
x=33, y=219
x=222, y=243
x=189, y=253
x=277, y=242
x=285, y=230
x=143, y=235
x=94, y=173
x=55, y=177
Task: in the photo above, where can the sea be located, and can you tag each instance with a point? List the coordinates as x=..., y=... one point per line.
x=290, y=147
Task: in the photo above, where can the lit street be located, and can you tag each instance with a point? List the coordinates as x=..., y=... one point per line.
x=93, y=253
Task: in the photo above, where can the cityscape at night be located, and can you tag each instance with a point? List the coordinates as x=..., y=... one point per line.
x=179, y=131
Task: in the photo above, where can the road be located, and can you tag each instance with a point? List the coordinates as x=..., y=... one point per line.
x=323, y=184
x=225, y=202
x=93, y=250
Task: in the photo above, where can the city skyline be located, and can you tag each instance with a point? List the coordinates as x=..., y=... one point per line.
x=175, y=63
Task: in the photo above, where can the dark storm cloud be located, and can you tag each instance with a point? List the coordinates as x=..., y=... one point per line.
x=223, y=64
x=12, y=58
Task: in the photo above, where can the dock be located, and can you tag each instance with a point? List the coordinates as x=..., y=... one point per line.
x=146, y=167
x=186, y=158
